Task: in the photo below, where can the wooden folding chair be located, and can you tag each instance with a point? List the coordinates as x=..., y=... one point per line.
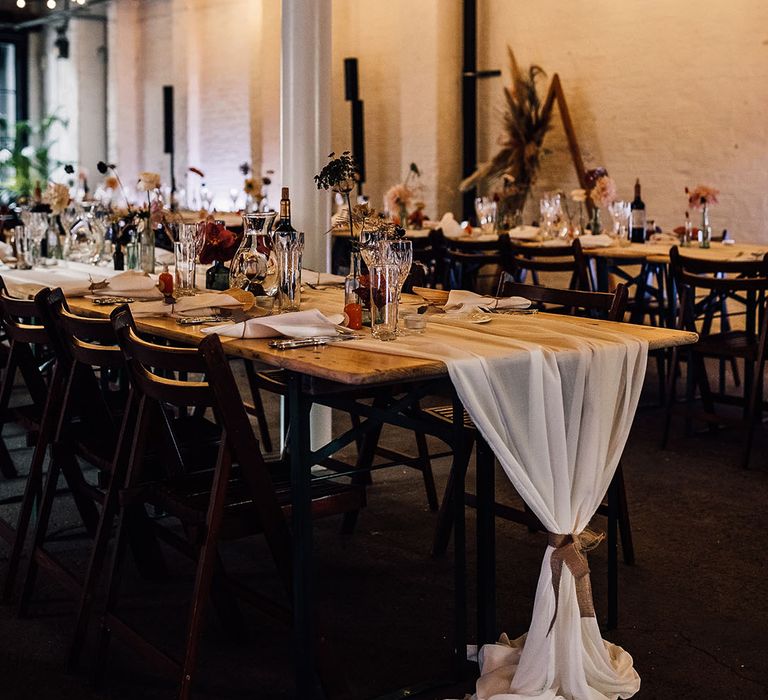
x=26, y=334
x=223, y=502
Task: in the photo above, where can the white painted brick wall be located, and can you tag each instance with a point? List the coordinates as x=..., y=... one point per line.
x=671, y=91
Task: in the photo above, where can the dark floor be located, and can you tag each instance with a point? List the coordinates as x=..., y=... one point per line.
x=693, y=610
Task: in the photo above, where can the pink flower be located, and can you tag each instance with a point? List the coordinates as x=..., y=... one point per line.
x=603, y=192
x=701, y=195
x=398, y=196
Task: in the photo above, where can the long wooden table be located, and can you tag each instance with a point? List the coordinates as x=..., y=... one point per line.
x=340, y=376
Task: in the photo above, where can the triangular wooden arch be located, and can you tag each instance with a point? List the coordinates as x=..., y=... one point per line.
x=555, y=92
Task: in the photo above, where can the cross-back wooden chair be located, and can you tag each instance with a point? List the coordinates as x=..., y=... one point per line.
x=464, y=258
x=611, y=307
x=235, y=497
x=530, y=258
x=735, y=282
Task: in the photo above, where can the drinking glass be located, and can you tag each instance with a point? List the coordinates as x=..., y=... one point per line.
x=552, y=218
x=23, y=248
x=289, y=247
x=371, y=237
x=384, y=280
x=400, y=253
x=36, y=228
x=620, y=214
x=184, y=266
x=486, y=210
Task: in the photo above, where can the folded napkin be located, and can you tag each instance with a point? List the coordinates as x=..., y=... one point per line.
x=525, y=233
x=312, y=277
x=6, y=251
x=485, y=237
x=601, y=240
x=199, y=305
x=462, y=300
x=669, y=238
x=450, y=227
x=298, y=324
x=131, y=283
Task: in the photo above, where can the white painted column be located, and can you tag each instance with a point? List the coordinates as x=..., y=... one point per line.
x=305, y=138
x=305, y=120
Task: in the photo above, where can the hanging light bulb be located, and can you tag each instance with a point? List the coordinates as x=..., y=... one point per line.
x=51, y=4
x=21, y=4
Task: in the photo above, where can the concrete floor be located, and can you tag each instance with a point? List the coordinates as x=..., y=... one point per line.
x=693, y=610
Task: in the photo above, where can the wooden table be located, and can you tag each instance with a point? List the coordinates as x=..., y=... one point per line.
x=336, y=376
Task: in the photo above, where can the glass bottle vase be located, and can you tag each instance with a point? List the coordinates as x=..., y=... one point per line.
x=705, y=234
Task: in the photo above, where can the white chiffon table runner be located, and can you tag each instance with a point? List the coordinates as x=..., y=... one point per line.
x=555, y=402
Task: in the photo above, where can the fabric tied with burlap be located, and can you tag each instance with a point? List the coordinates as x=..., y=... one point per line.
x=570, y=550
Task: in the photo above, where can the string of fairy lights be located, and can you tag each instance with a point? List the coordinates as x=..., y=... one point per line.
x=50, y=4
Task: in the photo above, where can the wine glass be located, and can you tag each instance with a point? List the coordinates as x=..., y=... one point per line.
x=486, y=210
x=400, y=253
x=619, y=212
x=234, y=195
x=370, y=239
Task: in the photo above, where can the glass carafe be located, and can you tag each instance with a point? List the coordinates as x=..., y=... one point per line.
x=254, y=267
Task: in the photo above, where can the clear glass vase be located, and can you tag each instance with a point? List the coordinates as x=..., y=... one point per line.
x=146, y=247
x=705, y=235
x=254, y=267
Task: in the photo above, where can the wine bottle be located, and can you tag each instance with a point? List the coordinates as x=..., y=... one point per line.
x=637, y=217
x=284, y=222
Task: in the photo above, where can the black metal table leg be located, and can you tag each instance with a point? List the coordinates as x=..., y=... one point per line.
x=301, y=517
x=460, y=459
x=486, y=544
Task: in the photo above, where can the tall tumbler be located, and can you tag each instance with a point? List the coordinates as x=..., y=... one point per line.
x=384, y=283
x=184, y=266
x=289, y=247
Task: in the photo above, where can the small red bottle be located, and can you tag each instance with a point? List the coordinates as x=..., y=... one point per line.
x=165, y=282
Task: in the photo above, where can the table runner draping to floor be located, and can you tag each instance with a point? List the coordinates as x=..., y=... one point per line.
x=555, y=402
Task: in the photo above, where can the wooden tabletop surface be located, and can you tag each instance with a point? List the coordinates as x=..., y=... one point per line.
x=342, y=363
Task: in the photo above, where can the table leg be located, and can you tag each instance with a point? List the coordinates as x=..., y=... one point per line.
x=301, y=517
x=601, y=268
x=486, y=544
x=460, y=459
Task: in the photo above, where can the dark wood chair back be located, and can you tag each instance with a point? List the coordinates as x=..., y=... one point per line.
x=88, y=341
x=463, y=258
x=598, y=304
x=144, y=359
x=21, y=317
x=524, y=258
x=744, y=281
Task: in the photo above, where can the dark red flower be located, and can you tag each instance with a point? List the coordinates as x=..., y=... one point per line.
x=220, y=243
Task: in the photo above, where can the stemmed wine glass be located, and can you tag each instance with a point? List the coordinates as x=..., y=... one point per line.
x=400, y=253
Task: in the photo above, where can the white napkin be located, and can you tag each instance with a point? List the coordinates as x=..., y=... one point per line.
x=670, y=238
x=312, y=277
x=462, y=300
x=131, y=283
x=298, y=324
x=601, y=240
x=450, y=227
x=6, y=251
x=525, y=233
x=164, y=257
x=199, y=305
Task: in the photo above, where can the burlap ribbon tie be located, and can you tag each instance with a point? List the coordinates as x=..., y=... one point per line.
x=570, y=550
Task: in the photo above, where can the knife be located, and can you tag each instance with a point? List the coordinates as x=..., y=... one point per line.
x=291, y=343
